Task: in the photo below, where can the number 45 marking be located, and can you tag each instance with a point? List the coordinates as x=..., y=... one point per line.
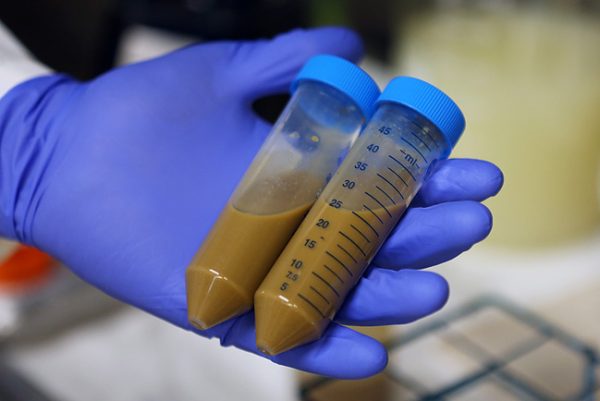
x=385, y=130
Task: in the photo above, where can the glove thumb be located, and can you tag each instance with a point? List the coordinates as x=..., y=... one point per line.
x=269, y=66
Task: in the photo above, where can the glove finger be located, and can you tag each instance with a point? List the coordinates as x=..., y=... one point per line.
x=460, y=179
x=269, y=66
x=435, y=234
x=394, y=297
x=341, y=352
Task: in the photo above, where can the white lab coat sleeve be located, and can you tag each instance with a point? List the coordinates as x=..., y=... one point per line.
x=16, y=65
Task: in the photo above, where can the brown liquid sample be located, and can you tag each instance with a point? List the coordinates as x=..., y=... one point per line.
x=309, y=281
x=233, y=260
x=244, y=243
x=341, y=234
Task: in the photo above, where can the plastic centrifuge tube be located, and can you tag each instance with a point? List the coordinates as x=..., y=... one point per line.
x=414, y=125
x=331, y=101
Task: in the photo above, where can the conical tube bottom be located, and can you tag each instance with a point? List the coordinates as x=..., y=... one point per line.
x=212, y=299
x=281, y=326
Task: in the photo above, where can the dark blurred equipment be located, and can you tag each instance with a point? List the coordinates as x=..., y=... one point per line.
x=211, y=19
x=77, y=37
x=81, y=37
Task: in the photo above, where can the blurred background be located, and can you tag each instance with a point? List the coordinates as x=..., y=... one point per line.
x=523, y=321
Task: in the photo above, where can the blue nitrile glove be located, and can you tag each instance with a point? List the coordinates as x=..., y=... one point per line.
x=122, y=177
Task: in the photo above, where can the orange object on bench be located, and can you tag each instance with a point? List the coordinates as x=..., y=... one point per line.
x=26, y=266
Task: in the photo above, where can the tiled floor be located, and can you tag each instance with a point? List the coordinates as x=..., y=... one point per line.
x=487, y=390
x=486, y=350
x=577, y=311
x=494, y=331
x=553, y=369
x=414, y=362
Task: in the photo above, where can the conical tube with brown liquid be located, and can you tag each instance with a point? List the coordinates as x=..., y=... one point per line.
x=332, y=98
x=414, y=125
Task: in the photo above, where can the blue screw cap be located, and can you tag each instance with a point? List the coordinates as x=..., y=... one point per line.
x=344, y=76
x=430, y=102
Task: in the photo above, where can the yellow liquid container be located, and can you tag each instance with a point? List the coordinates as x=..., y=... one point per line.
x=529, y=78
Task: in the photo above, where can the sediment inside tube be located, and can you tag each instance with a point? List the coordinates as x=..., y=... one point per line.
x=242, y=246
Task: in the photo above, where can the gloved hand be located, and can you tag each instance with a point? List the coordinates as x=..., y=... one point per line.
x=122, y=177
